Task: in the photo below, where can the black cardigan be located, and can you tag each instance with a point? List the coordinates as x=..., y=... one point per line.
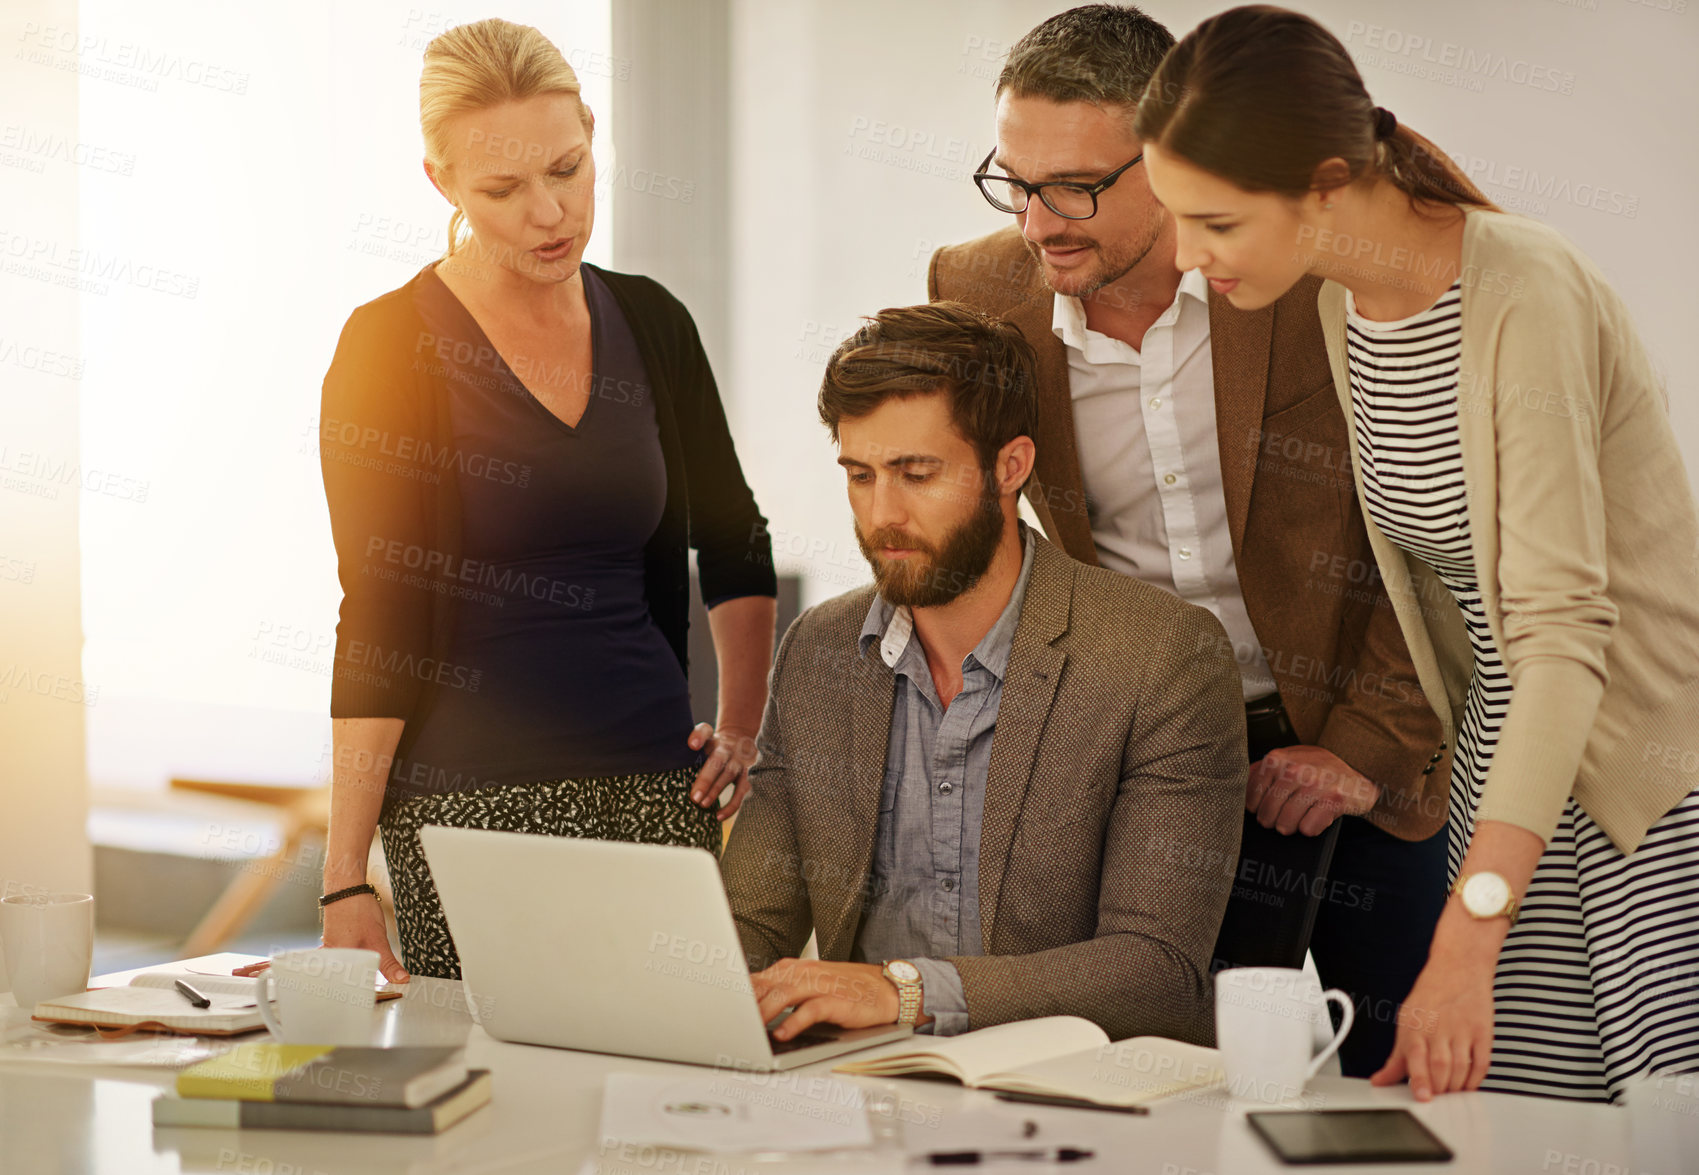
x=386, y=445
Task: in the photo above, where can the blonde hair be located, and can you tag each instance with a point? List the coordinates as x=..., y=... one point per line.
x=483, y=64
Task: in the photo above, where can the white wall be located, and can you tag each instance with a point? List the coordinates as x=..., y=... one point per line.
x=855, y=128
x=43, y=697
x=272, y=182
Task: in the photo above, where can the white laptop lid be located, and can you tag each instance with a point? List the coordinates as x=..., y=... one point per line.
x=597, y=945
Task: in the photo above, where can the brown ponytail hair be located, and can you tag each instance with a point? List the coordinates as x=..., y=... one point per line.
x=1262, y=97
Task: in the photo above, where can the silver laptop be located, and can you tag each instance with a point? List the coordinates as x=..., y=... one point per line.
x=612, y=948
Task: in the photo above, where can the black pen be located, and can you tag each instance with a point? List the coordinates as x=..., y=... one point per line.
x=194, y=997
x=1072, y=1103
x=1063, y=1154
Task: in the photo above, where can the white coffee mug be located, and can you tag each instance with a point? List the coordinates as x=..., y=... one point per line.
x=324, y=996
x=1265, y=1026
x=49, y=944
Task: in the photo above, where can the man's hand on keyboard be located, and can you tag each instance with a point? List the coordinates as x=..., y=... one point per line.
x=851, y=995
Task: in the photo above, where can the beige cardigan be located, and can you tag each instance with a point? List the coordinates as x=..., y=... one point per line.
x=1584, y=531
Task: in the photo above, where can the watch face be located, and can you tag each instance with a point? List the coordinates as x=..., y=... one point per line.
x=1486, y=894
x=903, y=971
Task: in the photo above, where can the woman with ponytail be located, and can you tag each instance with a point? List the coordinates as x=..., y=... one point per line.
x=518, y=447
x=1536, y=531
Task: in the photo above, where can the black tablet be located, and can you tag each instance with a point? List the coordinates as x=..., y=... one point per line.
x=1348, y=1136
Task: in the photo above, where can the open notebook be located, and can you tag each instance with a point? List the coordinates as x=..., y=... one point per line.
x=1058, y=1056
x=152, y=999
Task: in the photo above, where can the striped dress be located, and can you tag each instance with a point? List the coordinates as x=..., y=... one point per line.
x=1598, y=980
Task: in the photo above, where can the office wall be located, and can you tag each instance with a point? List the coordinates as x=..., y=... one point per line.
x=43, y=697
x=855, y=127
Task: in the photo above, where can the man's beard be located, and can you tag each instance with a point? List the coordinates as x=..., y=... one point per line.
x=935, y=576
x=1112, y=265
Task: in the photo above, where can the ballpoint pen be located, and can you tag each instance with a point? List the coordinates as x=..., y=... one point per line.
x=194, y=997
x=1072, y=1103
x=1062, y=1154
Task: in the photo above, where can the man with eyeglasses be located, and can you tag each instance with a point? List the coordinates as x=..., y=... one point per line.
x=1202, y=449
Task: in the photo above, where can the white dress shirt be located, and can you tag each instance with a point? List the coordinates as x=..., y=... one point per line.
x=1144, y=424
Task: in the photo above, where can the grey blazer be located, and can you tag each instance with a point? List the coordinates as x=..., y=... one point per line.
x=1113, y=804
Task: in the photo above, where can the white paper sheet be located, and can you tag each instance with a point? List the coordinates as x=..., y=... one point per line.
x=733, y=1112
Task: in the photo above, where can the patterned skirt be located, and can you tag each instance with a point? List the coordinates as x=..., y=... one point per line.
x=644, y=809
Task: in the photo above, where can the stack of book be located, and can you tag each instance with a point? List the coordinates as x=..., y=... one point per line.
x=324, y=1087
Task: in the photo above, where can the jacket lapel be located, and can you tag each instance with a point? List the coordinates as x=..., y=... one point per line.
x=1477, y=397
x=1057, y=489
x=1029, y=689
x=873, y=692
x=1398, y=575
x=1239, y=349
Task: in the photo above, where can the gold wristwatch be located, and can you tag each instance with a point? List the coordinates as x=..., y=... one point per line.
x=1486, y=896
x=907, y=978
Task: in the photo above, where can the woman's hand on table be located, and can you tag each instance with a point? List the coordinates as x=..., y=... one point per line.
x=1445, y=1027
x=358, y=922
x=730, y=753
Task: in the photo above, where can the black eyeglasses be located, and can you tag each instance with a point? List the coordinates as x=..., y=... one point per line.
x=1068, y=200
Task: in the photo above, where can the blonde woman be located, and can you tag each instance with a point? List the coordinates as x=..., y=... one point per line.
x=1536, y=530
x=517, y=448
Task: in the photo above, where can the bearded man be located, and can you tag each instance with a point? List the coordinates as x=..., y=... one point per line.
x=997, y=783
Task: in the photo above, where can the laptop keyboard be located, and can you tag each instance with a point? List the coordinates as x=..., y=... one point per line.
x=807, y=1038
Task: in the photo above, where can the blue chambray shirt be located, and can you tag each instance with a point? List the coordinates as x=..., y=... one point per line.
x=923, y=900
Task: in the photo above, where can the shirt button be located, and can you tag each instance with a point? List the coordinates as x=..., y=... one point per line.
x=1156, y=401
x=1169, y=479
x=1185, y=552
x=946, y=788
x=949, y=885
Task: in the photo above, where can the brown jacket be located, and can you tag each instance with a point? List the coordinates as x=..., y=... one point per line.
x=1113, y=804
x=1306, y=569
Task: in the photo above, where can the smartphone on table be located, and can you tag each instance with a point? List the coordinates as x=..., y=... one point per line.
x=1348, y=1136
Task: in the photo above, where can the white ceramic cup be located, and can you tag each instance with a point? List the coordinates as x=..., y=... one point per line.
x=324, y=996
x=49, y=944
x=1266, y=1027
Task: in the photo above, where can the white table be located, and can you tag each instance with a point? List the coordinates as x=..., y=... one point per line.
x=547, y=1102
